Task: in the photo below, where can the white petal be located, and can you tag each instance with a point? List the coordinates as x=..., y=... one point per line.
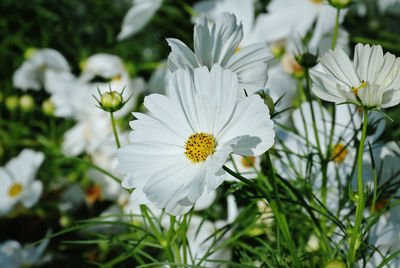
x=250, y=64
x=24, y=167
x=32, y=194
x=181, y=182
x=338, y=64
x=252, y=123
x=225, y=37
x=180, y=56
x=137, y=17
x=324, y=87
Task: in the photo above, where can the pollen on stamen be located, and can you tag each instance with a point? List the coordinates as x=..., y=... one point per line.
x=199, y=146
x=355, y=89
x=15, y=190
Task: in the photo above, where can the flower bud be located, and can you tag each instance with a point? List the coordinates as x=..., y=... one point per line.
x=336, y=264
x=29, y=52
x=48, y=107
x=268, y=101
x=26, y=102
x=12, y=103
x=307, y=60
x=339, y=3
x=111, y=101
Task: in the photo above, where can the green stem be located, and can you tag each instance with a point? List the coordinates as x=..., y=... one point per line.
x=157, y=234
x=115, y=130
x=335, y=31
x=360, y=189
x=281, y=219
x=184, y=238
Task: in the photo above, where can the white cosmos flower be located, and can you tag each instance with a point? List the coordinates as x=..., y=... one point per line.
x=18, y=182
x=30, y=75
x=295, y=17
x=218, y=45
x=14, y=255
x=373, y=80
x=179, y=148
x=138, y=16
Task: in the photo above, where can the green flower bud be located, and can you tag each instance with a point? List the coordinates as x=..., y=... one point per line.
x=48, y=107
x=307, y=60
x=12, y=103
x=29, y=52
x=26, y=102
x=336, y=264
x=65, y=221
x=111, y=101
x=339, y=3
x=268, y=101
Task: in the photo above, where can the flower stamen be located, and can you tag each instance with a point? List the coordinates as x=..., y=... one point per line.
x=199, y=146
x=15, y=190
x=355, y=89
x=339, y=152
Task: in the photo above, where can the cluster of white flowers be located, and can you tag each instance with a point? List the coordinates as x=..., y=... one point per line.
x=249, y=84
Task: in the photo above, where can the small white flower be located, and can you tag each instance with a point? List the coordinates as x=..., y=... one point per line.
x=373, y=80
x=31, y=73
x=13, y=255
x=138, y=16
x=218, y=45
x=178, y=150
x=18, y=182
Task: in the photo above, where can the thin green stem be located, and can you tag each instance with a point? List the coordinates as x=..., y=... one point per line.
x=360, y=189
x=335, y=31
x=157, y=234
x=115, y=130
x=184, y=242
x=281, y=219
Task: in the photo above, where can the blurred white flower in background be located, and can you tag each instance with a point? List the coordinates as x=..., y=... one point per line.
x=203, y=234
x=31, y=74
x=177, y=151
x=18, y=184
x=14, y=255
x=295, y=18
x=138, y=16
x=218, y=45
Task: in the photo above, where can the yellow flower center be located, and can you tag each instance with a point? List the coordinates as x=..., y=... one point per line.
x=93, y=194
x=380, y=204
x=15, y=190
x=237, y=49
x=355, y=89
x=199, y=146
x=116, y=78
x=249, y=162
x=339, y=153
x=317, y=1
